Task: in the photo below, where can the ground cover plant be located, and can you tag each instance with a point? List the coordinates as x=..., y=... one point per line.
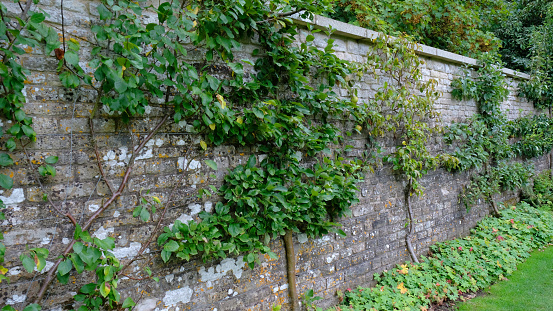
x=490, y=253
x=528, y=288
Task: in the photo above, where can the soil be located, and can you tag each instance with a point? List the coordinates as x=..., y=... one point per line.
x=451, y=305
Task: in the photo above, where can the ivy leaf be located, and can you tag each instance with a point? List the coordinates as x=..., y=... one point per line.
x=6, y=182
x=211, y=164
x=203, y=145
x=104, y=12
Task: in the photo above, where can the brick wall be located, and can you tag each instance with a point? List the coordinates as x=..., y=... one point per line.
x=375, y=233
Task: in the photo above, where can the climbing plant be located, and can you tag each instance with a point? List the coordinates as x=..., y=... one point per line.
x=484, y=144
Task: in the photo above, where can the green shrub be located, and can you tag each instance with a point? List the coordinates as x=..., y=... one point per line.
x=490, y=253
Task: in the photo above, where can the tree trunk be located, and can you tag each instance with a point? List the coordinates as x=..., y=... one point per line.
x=494, y=206
x=409, y=236
x=291, y=270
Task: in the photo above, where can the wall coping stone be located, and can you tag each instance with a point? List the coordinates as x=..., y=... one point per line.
x=367, y=35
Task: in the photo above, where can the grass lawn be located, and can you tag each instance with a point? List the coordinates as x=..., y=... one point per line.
x=528, y=288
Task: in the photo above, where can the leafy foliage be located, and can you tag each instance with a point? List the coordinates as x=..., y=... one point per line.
x=463, y=27
x=491, y=252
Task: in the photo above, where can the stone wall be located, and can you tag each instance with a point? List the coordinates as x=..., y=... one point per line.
x=375, y=233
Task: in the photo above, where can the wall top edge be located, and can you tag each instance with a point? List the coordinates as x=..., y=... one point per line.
x=363, y=34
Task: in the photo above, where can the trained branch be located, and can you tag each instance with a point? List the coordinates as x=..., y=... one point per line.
x=291, y=270
x=37, y=178
x=51, y=273
x=409, y=237
x=95, y=145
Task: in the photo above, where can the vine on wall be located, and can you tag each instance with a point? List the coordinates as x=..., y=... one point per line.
x=282, y=102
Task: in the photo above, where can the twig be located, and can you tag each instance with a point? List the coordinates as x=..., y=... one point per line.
x=91, y=125
x=51, y=273
x=158, y=225
x=37, y=178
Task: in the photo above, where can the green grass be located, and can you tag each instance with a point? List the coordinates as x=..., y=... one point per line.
x=528, y=288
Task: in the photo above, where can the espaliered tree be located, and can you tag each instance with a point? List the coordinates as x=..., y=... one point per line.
x=287, y=108
x=483, y=143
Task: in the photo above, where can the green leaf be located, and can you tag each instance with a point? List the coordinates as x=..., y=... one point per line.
x=251, y=161
x=64, y=267
x=37, y=18
x=6, y=182
x=234, y=229
x=128, y=303
x=5, y=159
x=28, y=263
x=32, y=307
x=10, y=144
x=88, y=288
x=72, y=58
x=104, y=12
x=211, y=164
x=51, y=160
x=250, y=258
x=171, y=246
x=165, y=255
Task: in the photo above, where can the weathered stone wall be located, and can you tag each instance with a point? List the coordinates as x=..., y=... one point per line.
x=375, y=233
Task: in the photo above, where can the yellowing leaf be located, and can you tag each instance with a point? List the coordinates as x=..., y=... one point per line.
x=3, y=270
x=359, y=128
x=221, y=101
x=156, y=199
x=239, y=120
x=402, y=288
x=404, y=269
x=195, y=23
x=74, y=41
x=203, y=145
x=212, y=126
x=196, y=10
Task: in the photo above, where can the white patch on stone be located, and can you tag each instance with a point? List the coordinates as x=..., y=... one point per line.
x=169, y=278
x=128, y=252
x=146, y=305
x=147, y=109
x=228, y=264
x=173, y=297
x=283, y=287
x=195, y=164
x=125, y=157
x=17, y=196
x=302, y=238
x=14, y=271
x=208, y=206
x=444, y=191
x=181, y=142
x=146, y=155
x=93, y=207
x=102, y=233
x=195, y=209
x=65, y=241
x=182, y=123
x=159, y=142
x=261, y=157
x=330, y=259
x=230, y=291
x=45, y=240
x=16, y=299
x=116, y=214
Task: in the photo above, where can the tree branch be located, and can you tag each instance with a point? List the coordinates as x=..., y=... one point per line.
x=51, y=273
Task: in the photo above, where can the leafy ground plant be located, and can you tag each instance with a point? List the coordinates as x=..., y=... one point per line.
x=490, y=253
